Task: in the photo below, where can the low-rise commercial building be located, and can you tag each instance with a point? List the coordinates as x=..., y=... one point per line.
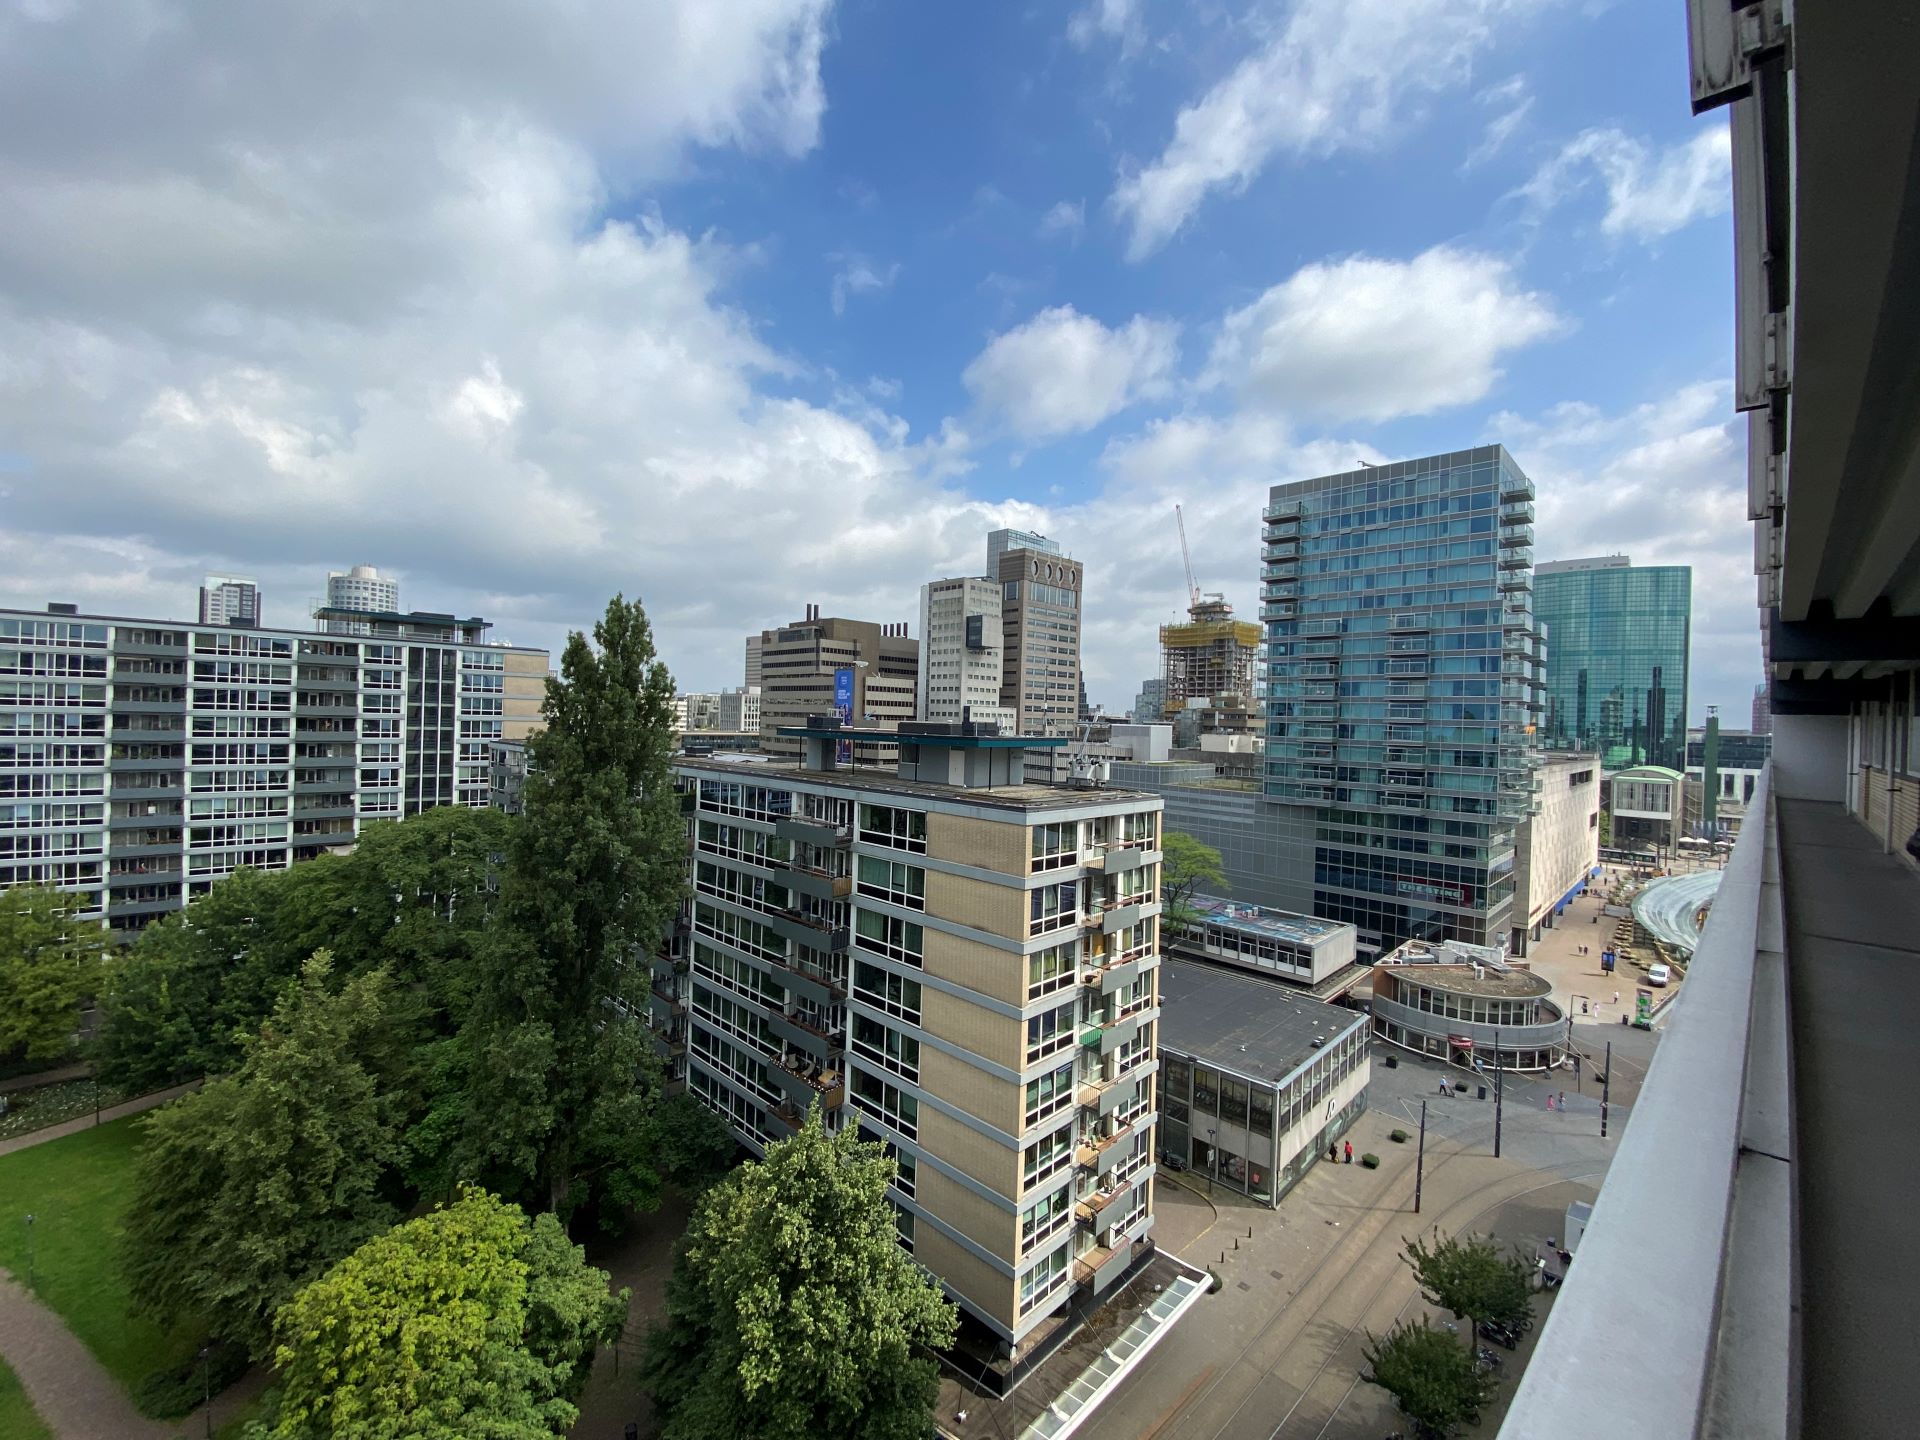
x=1646, y=807
x=1464, y=1004
x=1296, y=948
x=1256, y=1080
x=962, y=964
x=1557, y=846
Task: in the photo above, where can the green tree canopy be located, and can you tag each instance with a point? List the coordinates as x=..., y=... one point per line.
x=1186, y=866
x=561, y=1085
x=1436, y=1383
x=468, y=1323
x=793, y=1313
x=49, y=963
x=254, y=1185
x=413, y=897
x=1470, y=1277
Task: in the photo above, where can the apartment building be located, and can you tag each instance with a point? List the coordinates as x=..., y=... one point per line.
x=962, y=964
x=960, y=652
x=1618, y=637
x=230, y=600
x=1040, y=593
x=865, y=672
x=739, y=710
x=1557, y=846
x=1404, y=689
x=361, y=588
x=142, y=760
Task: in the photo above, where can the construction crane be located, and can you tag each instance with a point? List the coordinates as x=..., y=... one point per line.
x=1193, y=588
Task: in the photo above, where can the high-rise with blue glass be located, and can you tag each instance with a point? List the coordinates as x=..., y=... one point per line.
x=1403, y=689
x=1617, y=640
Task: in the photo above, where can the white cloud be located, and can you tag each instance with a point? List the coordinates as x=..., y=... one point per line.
x=858, y=275
x=1068, y=218
x=1663, y=482
x=1063, y=372
x=1337, y=75
x=1514, y=102
x=1649, y=193
x=1370, y=339
x=1116, y=20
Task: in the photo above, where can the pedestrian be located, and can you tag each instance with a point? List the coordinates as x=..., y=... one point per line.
x=1563, y=1099
x=1333, y=1152
x=1616, y=997
x=1349, y=1152
x=1549, y=1100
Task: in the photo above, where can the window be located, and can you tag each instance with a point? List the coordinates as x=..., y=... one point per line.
x=1045, y=1217
x=1047, y=1156
x=1051, y=970
x=1046, y=1276
x=904, y=885
x=889, y=935
x=1050, y=1094
x=1050, y=1033
x=882, y=989
x=893, y=827
x=1053, y=907
x=886, y=1103
x=887, y=1047
x=1056, y=847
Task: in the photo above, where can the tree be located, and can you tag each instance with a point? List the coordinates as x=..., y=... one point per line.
x=1186, y=865
x=470, y=1321
x=1470, y=1278
x=253, y=1186
x=1437, y=1384
x=562, y=1082
x=792, y=1312
x=49, y=964
x=691, y=1145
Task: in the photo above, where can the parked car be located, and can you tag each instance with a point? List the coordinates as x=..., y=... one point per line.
x=1658, y=974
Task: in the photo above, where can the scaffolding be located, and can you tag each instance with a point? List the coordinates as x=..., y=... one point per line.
x=1211, y=657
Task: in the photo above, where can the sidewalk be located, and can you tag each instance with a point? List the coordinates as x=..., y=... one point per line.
x=87, y=1122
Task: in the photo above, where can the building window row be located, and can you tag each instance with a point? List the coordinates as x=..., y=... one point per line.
x=883, y=990
x=896, y=828
x=894, y=882
x=888, y=1104
x=1049, y=1094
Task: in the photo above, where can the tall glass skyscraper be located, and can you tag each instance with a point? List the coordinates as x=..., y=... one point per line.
x=1617, y=641
x=1403, y=688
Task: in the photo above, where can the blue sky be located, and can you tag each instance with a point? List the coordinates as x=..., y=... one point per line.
x=790, y=305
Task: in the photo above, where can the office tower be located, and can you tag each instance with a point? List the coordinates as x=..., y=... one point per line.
x=1617, y=642
x=361, y=588
x=230, y=600
x=861, y=670
x=1402, y=693
x=141, y=760
x=752, y=680
x=1001, y=541
x=1040, y=633
x=963, y=965
x=1149, y=706
x=1211, y=657
x=960, y=652
x=740, y=710
x=1762, y=722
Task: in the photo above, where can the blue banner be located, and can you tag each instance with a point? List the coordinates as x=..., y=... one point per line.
x=843, y=707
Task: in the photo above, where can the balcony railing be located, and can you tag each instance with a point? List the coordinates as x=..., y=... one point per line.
x=1685, y=1278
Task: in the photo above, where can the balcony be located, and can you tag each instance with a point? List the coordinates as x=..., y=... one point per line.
x=1285, y=510
x=813, y=832
x=813, y=881
x=1513, y=557
x=1516, y=534
x=805, y=1080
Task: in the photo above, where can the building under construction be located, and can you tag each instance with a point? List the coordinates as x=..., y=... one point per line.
x=1210, y=657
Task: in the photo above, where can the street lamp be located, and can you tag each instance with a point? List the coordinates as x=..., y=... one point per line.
x=29, y=1252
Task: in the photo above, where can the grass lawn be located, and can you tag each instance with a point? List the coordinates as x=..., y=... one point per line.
x=76, y=1188
x=17, y=1418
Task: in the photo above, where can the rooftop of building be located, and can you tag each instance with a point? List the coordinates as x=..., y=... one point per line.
x=882, y=780
x=1645, y=772
x=1259, y=920
x=1253, y=1027
x=1467, y=970
x=411, y=617
x=942, y=739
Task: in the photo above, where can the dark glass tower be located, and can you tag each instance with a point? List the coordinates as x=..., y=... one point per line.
x=1403, y=688
x=1617, y=641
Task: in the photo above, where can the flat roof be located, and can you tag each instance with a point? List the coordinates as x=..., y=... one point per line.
x=883, y=781
x=909, y=737
x=1475, y=980
x=1261, y=1029
x=1258, y=920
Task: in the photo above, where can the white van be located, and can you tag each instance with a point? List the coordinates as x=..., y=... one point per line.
x=1658, y=974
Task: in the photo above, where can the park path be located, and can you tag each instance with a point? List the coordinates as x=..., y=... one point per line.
x=87, y=1122
x=72, y=1391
